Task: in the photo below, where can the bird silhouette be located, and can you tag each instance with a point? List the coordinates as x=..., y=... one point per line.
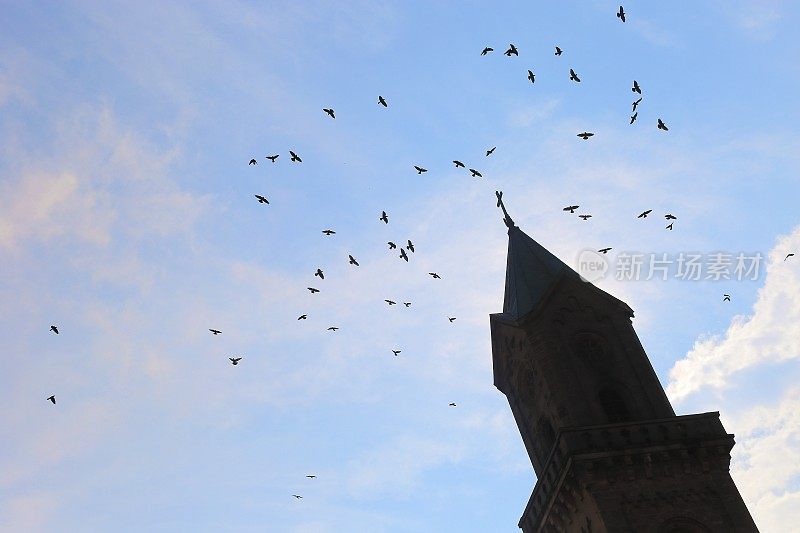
x=558, y=51
x=410, y=246
x=253, y=162
x=332, y=328
x=585, y=135
x=392, y=245
x=645, y=213
x=434, y=275
x=604, y=250
x=486, y=51
x=669, y=227
x=408, y=304
x=295, y=157
x=52, y=399
x=215, y=331
x=571, y=208
x=403, y=255
x=458, y=163
x=312, y=289
x=574, y=77
x=621, y=14
x=490, y=152
x=670, y=217
x=531, y=76
x=662, y=126
x=726, y=298
x=635, y=105
x=273, y=157
x=452, y=404
x=788, y=256
x=297, y=496
x=353, y=260
x=319, y=274
x=390, y=302
x=451, y=319
x=511, y=50
x=420, y=170
x=382, y=101
x=329, y=112
x=384, y=217
x=302, y=317
x=395, y=352
x=234, y=360
x=54, y=329
x=311, y=477
x=633, y=117
x=585, y=217
x=328, y=232
x=261, y=199
x=475, y=173
x=636, y=87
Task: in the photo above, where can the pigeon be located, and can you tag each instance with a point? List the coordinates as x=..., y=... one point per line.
x=452, y=405
x=585, y=135
x=312, y=289
x=215, y=331
x=571, y=208
x=645, y=213
x=395, y=352
x=435, y=275
x=52, y=399
x=621, y=14
x=328, y=232
x=410, y=246
x=486, y=51
x=458, y=163
x=635, y=105
x=261, y=199
x=603, y=250
x=319, y=274
x=302, y=317
x=332, y=328
x=511, y=50
x=382, y=101
x=403, y=255
x=451, y=319
x=297, y=496
x=574, y=77
x=329, y=112
x=390, y=302
x=670, y=217
x=353, y=260
x=532, y=77
x=490, y=152
x=273, y=157
x=475, y=173
x=384, y=217
x=636, y=87
x=392, y=245
x=633, y=117
x=670, y=226
x=234, y=360
x=420, y=170
x=585, y=217
x=726, y=298
x=252, y=162
x=54, y=329
x=408, y=304
x=662, y=126
x=788, y=256
x=558, y=51
x=295, y=157
x=311, y=477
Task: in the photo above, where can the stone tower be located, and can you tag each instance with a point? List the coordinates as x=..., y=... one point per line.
x=610, y=454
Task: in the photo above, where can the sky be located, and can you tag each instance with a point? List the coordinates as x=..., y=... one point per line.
x=128, y=219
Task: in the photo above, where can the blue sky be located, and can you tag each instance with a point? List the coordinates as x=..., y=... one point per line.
x=127, y=217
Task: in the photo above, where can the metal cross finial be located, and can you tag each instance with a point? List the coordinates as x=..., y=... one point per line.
x=506, y=218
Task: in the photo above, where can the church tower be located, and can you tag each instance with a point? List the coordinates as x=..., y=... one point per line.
x=609, y=453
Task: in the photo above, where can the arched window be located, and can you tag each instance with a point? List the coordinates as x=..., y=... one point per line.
x=614, y=405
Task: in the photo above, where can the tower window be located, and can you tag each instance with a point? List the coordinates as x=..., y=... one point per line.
x=614, y=406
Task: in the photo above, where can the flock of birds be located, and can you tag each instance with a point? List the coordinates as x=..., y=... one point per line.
x=384, y=217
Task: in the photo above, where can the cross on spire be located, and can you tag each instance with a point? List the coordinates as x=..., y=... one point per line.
x=506, y=218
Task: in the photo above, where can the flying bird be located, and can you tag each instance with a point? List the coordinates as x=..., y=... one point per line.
x=297, y=496
x=261, y=199
x=636, y=87
x=312, y=289
x=410, y=246
x=215, y=331
x=54, y=329
x=603, y=250
x=319, y=274
x=384, y=217
x=621, y=14
x=645, y=213
x=458, y=163
x=670, y=217
x=420, y=170
x=332, y=328
x=490, y=152
x=52, y=399
x=382, y=101
x=571, y=208
x=585, y=217
x=558, y=51
x=311, y=477
x=451, y=319
x=726, y=298
x=585, y=135
x=452, y=405
x=574, y=77
x=353, y=260
x=329, y=112
x=475, y=173
x=234, y=360
x=662, y=126
x=395, y=352
x=302, y=317
x=788, y=256
x=392, y=245
x=633, y=117
x=531, y=76
x=403, y=255
x=486, y=51
x=273, y=157
x=328, y=232
x=390, y=302
x=252, y=162
x=669, y=227
x=408, y=304
x=635, y=105
x=511, y=50
x=295, y=157
x=435, y=275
